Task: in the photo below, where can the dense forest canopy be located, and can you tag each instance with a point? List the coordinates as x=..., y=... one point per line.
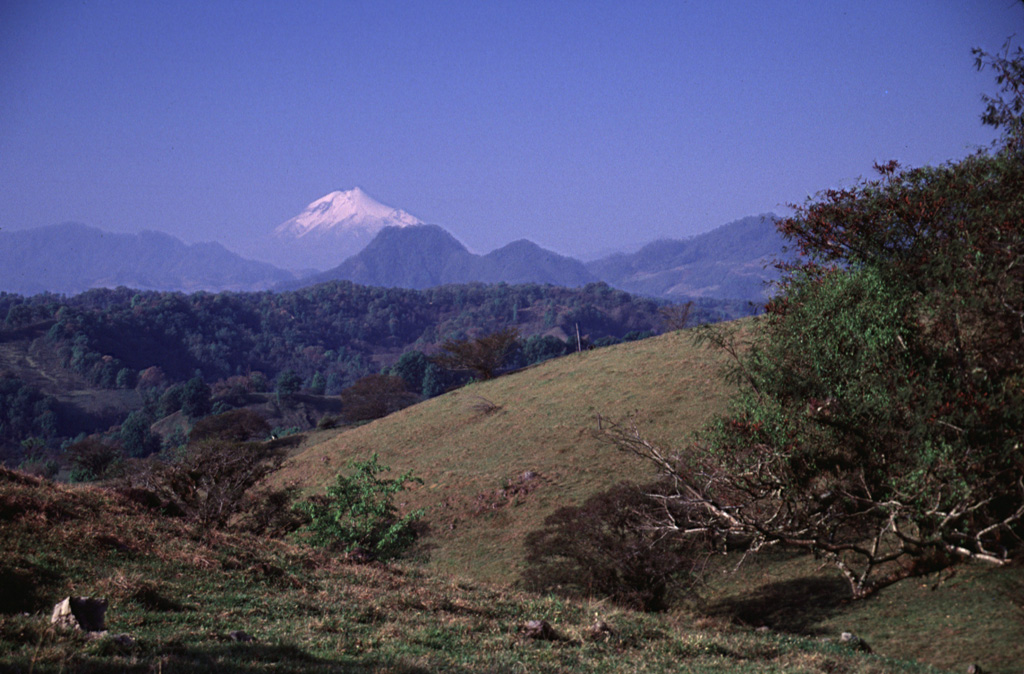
x=321, y=339
x=335, y=328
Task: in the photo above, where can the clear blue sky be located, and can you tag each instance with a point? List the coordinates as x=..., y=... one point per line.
x=579, y=125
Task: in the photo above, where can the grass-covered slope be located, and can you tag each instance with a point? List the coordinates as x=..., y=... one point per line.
x=179, y=595
x=473, y=446
x=498, y=457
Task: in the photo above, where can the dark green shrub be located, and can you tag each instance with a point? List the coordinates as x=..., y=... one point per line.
x=606, y=548
x=213, y=481
x=196, y=399
x=92, y=459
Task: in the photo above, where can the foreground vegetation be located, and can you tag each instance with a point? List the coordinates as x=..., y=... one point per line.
x=181, y=593
x=880, y=417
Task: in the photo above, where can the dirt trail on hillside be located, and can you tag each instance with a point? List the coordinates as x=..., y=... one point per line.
x=37, y=365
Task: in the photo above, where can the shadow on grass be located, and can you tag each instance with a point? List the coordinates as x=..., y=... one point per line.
x=796, y=606
x=221, y=659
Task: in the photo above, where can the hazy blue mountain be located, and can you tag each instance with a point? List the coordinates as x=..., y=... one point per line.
x=424, y=256
x=525, y=262
x=71, y=258
x=733, y=261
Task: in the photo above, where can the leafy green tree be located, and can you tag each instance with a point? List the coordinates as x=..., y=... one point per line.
x=125, y=378
x=358, y=514
x=170, y=400
x=334, y=384
x=880, y=419
x=421, y=374
x=288, y=382
x=196, y=398
x=411, y=367
x=136, y=436
x=537, y=349
x=435, y=381
x=317, y=384
x=25, y=411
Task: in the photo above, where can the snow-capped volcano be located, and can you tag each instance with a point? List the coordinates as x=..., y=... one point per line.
x=349, y=212
x=328, y=231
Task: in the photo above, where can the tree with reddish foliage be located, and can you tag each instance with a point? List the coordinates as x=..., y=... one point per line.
x=375, y=396
x=880, y=418
x=483, y=356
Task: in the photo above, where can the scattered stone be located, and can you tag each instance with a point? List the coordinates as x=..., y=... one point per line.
x=541, y=630
x=123, y=639
x=239, y=635
x=601, y=631
x=82, y=613
x=853, y=641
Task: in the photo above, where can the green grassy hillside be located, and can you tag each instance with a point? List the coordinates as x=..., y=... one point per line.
x=472, y=447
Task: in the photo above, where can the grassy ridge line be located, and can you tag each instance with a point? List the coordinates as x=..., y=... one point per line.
x=468, y=444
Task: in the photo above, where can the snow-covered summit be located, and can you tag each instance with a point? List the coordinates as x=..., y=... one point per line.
x=349, y=212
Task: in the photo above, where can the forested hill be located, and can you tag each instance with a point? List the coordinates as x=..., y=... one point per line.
x=84, y=363
x=329, y=335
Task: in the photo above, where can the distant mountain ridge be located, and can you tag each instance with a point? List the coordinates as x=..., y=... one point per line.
x=427, y=255
x=734, y=261
x=72, y=258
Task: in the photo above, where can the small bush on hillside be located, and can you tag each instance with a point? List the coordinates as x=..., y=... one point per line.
x=327, y=422
x=234, y=426
x=604, y=548
x=269, y=512
x=358, y=514
x=93, y=459
x=212, y=481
